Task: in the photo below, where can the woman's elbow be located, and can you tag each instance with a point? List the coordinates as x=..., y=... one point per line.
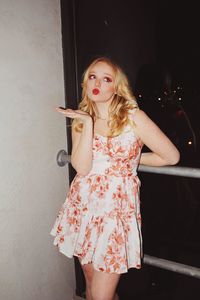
x=174, y=159
x=81, y=170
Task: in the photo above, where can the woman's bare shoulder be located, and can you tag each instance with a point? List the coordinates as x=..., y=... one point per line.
x=138, y=115
x=144, y=124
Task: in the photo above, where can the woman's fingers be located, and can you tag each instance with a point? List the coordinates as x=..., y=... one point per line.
x=70, y=113
x=65, y=111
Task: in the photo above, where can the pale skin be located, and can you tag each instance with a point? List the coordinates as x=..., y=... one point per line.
x=99, y=285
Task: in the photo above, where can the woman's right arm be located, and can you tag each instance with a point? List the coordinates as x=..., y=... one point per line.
x=81, y=156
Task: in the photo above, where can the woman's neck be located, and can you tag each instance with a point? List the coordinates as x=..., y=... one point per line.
x=102, y=111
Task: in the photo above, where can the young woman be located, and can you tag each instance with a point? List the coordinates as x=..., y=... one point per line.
x=100, y=220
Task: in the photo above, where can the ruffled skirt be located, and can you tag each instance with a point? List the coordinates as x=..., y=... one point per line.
x=100, y=222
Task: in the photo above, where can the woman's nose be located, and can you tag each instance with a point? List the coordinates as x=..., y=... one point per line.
x=97, y=82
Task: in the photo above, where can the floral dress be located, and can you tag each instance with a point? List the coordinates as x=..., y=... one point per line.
x=100, y=221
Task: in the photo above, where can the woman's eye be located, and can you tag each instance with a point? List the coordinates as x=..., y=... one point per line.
x=91, y=76
x=107, y=79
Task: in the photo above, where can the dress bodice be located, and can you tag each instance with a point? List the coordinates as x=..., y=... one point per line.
x=118, y=156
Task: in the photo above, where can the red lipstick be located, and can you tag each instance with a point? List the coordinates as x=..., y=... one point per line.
x=95, y=91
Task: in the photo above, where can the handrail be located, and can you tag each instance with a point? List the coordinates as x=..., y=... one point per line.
x=63, y=158
x=172, y=170
x=172, y=266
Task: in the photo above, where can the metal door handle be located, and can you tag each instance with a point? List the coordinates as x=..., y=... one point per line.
x=63, y=158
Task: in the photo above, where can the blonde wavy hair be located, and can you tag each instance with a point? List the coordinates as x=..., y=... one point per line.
x=123, y=101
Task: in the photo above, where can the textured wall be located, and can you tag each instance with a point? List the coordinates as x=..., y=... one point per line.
x=32, y=186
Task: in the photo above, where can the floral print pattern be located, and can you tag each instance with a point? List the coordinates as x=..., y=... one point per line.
x=100, y=221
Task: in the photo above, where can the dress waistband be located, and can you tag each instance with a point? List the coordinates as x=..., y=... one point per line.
x=114, y=168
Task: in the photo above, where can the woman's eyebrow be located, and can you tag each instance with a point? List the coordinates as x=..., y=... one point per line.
x=108, y=74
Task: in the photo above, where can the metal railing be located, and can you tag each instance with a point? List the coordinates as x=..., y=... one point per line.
x=171, y=266
x=175, y=171
x=63, y=158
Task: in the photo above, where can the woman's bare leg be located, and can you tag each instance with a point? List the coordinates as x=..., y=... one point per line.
x=104, y=286
x=88, y=273
x=116, y=297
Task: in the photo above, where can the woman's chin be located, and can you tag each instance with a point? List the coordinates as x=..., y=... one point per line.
x=100, y=99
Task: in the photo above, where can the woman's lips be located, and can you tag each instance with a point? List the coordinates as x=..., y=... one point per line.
x=95, y=91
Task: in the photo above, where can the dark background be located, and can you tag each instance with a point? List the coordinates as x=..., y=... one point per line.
x=157, y=45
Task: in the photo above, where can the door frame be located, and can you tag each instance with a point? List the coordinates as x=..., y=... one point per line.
x=70, y=70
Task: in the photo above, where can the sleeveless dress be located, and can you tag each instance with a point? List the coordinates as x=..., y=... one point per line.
x=100, y=221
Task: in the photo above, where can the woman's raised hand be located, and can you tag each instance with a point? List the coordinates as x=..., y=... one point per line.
x=73, y=114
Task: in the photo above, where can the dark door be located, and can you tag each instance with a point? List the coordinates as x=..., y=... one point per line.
x=124, y=31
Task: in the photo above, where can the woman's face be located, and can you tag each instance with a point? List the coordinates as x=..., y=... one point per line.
x=100, y=85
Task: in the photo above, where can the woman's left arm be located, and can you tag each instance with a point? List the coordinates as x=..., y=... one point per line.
x=163, y=150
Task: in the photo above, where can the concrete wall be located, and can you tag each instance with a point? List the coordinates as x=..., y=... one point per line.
x=32, y=186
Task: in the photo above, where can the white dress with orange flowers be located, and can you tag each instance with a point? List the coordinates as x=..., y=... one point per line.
x=100, y=220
